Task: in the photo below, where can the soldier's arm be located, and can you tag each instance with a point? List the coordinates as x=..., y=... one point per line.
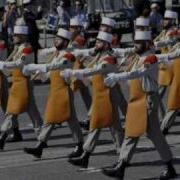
x=168, y=57
x=43, y=53
x=136, y=73
x=83, y=52
x=121, y=52
x=59, y=65
x=103, y=68
x=165, y=43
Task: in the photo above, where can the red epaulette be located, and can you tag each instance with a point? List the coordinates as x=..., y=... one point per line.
x=2, y=45
x=80, y=40
x=110, y=59
x=70, y=57
x=151, y=59
x=27, y=50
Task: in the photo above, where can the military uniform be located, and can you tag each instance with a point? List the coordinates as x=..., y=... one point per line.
x=57, y=110
x=18, y=104
x=71, y=119
x=142, y=113
x=173, y=104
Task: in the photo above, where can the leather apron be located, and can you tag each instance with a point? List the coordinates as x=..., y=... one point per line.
x=19, y=93
x=58, y=104
x=75, y=83
x=136, y=117
x=165, y=71
x=174, y=91
x=102, y=110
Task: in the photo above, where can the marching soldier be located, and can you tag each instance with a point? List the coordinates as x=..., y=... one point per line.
x=173, y=104
x=104, y=105
x=58, y=110
x=142, y=114
x=78, y=41
x=165, y=71
x=21, y=98
x=107, y=25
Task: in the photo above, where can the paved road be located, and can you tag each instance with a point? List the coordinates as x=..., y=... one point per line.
x=16, y=165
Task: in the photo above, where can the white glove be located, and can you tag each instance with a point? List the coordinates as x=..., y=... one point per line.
x=66, y=73
x=41, y=68
x=26, y=71
x=2, y=65
x=79, y=74
x=111, y=79
x=43, y=77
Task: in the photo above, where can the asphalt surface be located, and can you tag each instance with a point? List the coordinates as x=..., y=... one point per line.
x=16, y=165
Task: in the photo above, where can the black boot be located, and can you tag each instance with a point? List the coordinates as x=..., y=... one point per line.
x=178, y=113
x=165, y=131
x=37, y=151
x=85, y=124
x=3, y=138
x=168, y=172
x=77, y=151
x=116, y=170
x=81, y=161
x=16, y=136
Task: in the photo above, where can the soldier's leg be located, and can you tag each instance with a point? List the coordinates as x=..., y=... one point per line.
x=162, y=91
x=127, y=149
x=86, y=96
x=121, y=101
x=168, y=120
x=45, y=132
x=153, y=129
x=87, y=99
x=73, y=122
x=88, y=147
x=155, y=134
x=117, y=130
x=42, y=140
x=91, y=140
x=7, y=126
x=33, y=111
x=75, y=129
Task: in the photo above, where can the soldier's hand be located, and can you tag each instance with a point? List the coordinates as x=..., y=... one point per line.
x=111, y=80
x=66, y=73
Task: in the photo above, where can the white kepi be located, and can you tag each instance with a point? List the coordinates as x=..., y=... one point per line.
x=141, y=21
x=142, y=36
x=64, y=33
x=104, y=36
x=108, y=22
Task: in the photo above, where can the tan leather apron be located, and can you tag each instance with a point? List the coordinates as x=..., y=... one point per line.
x=58, y=104
x=102, y=110
x=75, y=83
x=136, y=117
x=165, y=72
x=174, y=91
x=19, y=93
